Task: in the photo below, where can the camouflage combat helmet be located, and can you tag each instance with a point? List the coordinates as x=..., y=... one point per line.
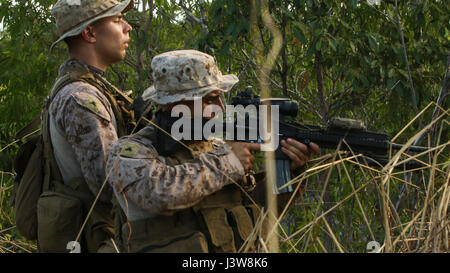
x=185, y=74
x=73, y=16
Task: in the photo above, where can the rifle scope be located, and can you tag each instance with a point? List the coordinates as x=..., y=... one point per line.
x=287, y=107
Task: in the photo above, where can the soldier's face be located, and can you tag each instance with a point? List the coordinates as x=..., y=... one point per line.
x=211, y=99
x=112, y=38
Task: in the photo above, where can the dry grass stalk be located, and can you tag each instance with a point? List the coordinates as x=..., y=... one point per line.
x=424, y=228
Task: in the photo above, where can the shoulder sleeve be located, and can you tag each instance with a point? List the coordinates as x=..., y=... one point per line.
x=137, y=171
x=81, y=113
x=90, y=101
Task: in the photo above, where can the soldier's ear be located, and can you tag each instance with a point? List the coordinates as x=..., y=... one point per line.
x=88, y=34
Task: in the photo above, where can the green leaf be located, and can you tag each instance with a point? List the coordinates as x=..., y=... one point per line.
x=403, y=73
x=390, y=83
x=373, y=43
x=310, y=51
x=319, y=44
x=352, y=46
x=298, y=33
x=226, y=48
x=332, y=43
x=364, y=80
x=230, y=29
x=399, y=90
x=345, y=24
x=302, y=26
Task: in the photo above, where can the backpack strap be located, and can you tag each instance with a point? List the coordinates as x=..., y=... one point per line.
x=121, y=104
x=29, y=128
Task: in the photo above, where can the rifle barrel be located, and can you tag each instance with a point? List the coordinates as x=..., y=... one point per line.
x=417, y=149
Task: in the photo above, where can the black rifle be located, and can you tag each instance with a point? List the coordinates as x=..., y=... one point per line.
x=373, y=146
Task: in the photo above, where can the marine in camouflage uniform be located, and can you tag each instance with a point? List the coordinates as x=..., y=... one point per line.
x=190, y=199
x=82, y=128
x=86, y=115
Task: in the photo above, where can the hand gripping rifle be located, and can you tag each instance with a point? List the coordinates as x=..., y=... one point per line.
x=374, y=146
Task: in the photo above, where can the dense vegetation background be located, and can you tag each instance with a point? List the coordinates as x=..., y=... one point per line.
x=379, y=62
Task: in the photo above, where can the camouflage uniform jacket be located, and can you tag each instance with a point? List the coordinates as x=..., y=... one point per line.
x=82, y=129
x=146, y=185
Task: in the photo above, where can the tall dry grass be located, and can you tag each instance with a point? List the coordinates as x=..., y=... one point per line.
x=352, y=207
x=345, y=206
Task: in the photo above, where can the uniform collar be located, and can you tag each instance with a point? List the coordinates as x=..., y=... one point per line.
x=74, y=62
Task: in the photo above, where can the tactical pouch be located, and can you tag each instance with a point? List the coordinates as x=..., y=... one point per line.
x=219, y=230
x=184, y=243
x=59, y=221
x=99, y=226
x=178, y=233
x=242, y=225
x=256, y=212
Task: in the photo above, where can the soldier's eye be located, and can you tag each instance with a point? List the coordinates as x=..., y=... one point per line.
x=211, y=99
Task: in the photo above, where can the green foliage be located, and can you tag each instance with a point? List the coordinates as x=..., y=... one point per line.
x=27, y=69
x=348, y=49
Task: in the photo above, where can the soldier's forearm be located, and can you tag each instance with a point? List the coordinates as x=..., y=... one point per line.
x=160, y=188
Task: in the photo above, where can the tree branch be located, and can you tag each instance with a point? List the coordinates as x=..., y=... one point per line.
x=413, y=92
x=192, y=17
x=320, y=85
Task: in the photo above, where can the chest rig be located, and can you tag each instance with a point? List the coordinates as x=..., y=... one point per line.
x=219, y=223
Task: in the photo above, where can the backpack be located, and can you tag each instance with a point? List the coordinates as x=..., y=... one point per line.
x=30, y=168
